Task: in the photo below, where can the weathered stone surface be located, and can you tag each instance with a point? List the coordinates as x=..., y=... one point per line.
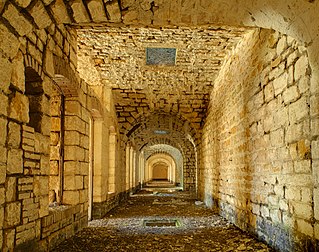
x=23, y=3
x=15, y=161
x=97, y=11
x=9, y=44
x=114, y=12
x=3, y=131
x=60, y=12
x=305, y=227
x=5, y=76
x=79, y=12
x=40, y=15
x=280, y=84
x=290, y=95
x=11, y=189
x=18, y=75
x=49, y=64
x=19, y=108
x=298, y=110
x=301, y=67
x=17, y=20
x=12, y=214
x=14, y=135
x=71, y=197
x=41, y=185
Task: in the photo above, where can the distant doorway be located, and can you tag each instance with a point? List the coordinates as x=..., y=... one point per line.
x=160, y=172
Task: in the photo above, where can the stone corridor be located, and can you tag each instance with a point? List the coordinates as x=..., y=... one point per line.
x=200, y=228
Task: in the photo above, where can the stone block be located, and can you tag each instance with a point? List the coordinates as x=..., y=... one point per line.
x=72, y=138
x=45, y=165
x=74, y=123
x=19, y=108
x=44, y=206
x=291, y=95
x=315, y=150
x=15, y=161
x=72, y=167
x=49, y=64
x=17, y=20
x=316, y=226
x=71, y=197
x=41, y=185
x=295, y=132
x=12, y=214
x=306, y=195
x=303, y=166
x=23, y=3
x=8, y=239
x=75, y=153
x=40, y=15
x=79, y=12
x=96, y=9
x=302, y=210
x=264, y=211
x=3, y=169
x=9, y=44
x=287, y=220
x=305, y=227
x=42, y=144
x=280, y=83
x=14, y=135
x=269, y=92
x=293, y=193
x=73, y=182
x=55, y=124
x=304, y=84
x=18, y=75
x=301, y=67
x=2, y=197
x=281, y=45
x=3, y=104
x=114, y=12
x=11, y=189
x=60, y=12
x=314, y=105
x=5, y=76
x=298, y=110
x=73, y=108
x=46, y=125
x=277, y=138
x=276, y=72
x=315, y=127
x=3, y=131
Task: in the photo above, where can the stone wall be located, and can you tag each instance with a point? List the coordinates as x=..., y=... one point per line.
x=43, y=150
x=259, y=142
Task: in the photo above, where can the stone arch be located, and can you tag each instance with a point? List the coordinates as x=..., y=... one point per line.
x=31, y=63
x=65, y=78
x=189, y=155
x=157, y=158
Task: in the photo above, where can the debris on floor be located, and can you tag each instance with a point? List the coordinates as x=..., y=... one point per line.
x=197, y=228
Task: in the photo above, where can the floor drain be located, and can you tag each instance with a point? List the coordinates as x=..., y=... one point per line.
x=162, y=223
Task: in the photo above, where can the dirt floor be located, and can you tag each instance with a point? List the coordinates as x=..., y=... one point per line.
x=161, y=222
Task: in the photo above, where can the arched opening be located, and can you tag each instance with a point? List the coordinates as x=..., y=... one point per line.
x=160, y=171
x=34, y=91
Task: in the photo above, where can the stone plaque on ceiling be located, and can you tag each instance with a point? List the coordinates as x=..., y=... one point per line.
x=160, y=56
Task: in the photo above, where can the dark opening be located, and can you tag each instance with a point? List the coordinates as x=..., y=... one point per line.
x=34, y=91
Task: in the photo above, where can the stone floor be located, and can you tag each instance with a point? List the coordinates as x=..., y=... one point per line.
x=144, y=223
